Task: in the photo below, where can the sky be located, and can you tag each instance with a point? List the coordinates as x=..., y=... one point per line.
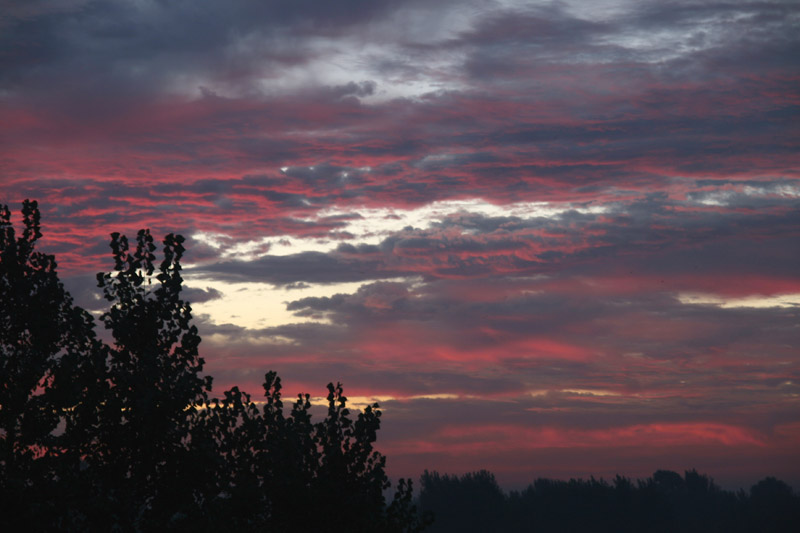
x=551, y=238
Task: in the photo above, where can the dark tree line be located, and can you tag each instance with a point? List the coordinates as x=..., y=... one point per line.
x=666, y=502
x=127, y=436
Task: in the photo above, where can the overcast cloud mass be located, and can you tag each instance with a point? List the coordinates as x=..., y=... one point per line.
x=553, y=238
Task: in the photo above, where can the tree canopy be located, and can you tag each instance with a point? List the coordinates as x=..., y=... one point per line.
x=128, y=436
x=665, y=502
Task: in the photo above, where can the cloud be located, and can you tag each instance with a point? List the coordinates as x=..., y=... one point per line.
x=194, y=295
x=304, y=267
x=546, y=217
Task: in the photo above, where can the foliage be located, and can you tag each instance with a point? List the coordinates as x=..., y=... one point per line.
x=472, y=501
x=664, y=502
x=154, y=383
x=127, y=436
x=285, y=465
x=49, y=356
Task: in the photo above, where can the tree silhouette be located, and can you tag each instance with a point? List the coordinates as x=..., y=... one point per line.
x=49, y=360
x=140, y=450
x=773, y=504
x=127, y=437
x=665, y=502
x=473, y=501
x=298, y=475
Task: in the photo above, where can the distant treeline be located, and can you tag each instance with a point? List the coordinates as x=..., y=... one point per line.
x=666, y=502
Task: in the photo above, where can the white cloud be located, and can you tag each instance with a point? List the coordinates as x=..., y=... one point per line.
x=757, y=301
x=373, y=225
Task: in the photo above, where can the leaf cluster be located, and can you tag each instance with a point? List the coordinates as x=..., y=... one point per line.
x=127, y=436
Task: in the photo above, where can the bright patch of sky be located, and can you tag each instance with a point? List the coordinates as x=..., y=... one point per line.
x=725, y=197
x=758, y=302
x=651, y=43
x=360, y=402
x=590, y=392
x=261, y=305
x=782, y=190
x=376, y=53
x=372, y=225
x=387, y=50
x=258, y=305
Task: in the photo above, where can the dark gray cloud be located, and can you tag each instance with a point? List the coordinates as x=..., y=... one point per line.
x=654, y=235
x=666, y=130
x=313, y=267
x=197, y=295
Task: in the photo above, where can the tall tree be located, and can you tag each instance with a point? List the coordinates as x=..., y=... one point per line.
x=155, y=383
x=49, y=361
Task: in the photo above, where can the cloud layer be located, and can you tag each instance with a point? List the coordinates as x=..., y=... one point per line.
x=555, y=238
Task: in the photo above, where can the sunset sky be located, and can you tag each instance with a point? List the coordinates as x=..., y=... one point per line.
x=551, y=238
